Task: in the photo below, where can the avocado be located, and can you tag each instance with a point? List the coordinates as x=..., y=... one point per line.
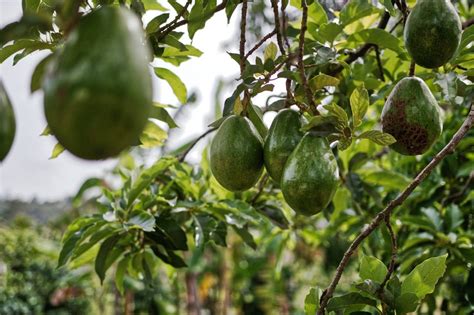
x=98, y=92
x=432, y=32
x=412, y=115
x=7, y=123
x=283, y=137
x=237, y=154
x=311, y=176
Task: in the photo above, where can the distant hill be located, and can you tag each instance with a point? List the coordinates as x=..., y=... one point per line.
x=39, y=212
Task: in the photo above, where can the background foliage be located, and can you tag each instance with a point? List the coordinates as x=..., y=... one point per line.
x=170, y=239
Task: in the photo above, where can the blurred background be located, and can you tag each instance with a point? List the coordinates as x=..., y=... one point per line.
x=28, y=174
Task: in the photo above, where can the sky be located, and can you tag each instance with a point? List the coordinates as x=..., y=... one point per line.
x=28, y=172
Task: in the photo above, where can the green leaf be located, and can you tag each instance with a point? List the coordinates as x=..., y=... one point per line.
x=104, y=257
x=156, y=22
x=169, y=257
x=159, y=112
x=153, y=5
x=178, y=87
x=57, y=150
x=318, y=121
x=147, y=176
x=120, y=273
x=340, y=114
x=372, y=268
x=68, y=247
x=389, y=6
x=322, y=80
x=386, y=179
x=349, y=300
x=200, y=13
x=230, y=8
x=378, y=37
x=406, y=303
x=33, y=45
x=38, y=73
x=355, y=10
x=245, y=236
x=316, y=13
x=168, y=233
x=378, y=137
x=270, y=51
x=328, y=32
x=143, y=220
x=257, y=120
x=152, y=136
x=359, y=105
x=423, y=278
x=311, y=302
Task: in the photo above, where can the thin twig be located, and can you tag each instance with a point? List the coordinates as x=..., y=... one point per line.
x=243, y=25
x=260, y=43
x=391, y=265
x=448, y=149
x=363, y=49
x=160, y=34
x=467, y=23
x=175, y=20
x=304, y=80
x=191, y=146
x=278, y=27
x=412, y=68
x=379, y=63
x=289, y=94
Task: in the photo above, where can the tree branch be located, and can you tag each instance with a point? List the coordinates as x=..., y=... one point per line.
x=363, y=49
x=379, y=63
x=191, y=146
x=393, y=241
x=304, y=80
x=175, y=20
x=278, y=27
x=243, y=25
x=467, y=23
x=448, y=149
x=160, y=34
x=260, y=43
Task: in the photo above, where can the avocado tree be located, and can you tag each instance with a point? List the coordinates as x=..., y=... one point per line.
x=370, y=154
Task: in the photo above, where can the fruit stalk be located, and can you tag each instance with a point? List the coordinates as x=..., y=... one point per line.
x=380, y=217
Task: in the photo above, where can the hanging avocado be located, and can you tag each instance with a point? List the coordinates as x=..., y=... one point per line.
x=98, y=92
x=283, y=137
x=311, y=176
x=7, y=123
x=412, y=115
x=432, y=32
x=237, y=154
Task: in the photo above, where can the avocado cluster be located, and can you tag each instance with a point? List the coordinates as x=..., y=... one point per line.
x=302, y=163
x=98, y=90
x=7, y=123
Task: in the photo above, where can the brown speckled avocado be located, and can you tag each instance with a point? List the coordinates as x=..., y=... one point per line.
x=412, y=115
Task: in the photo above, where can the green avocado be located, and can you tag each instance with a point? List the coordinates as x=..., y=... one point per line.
x=412, y=115
x=237, y=154
x=311, y=176
x=98, y=92
x=7, y=123
x=283, y=137
x=432, y=32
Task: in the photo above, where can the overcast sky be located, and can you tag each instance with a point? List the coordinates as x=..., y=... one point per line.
x=28, y=173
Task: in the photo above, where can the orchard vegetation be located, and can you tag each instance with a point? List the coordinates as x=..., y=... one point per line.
x=357, y=199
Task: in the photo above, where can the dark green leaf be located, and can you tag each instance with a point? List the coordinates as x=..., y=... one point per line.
x=349, y=300
x=143, y=220
x=106, y=256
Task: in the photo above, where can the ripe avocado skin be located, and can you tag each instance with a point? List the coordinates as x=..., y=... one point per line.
x=432, y=32
x=412, y=115
x=237, y=154
x=7, y=123
x=283, y=137
x=98, y=92
x=311, y=176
